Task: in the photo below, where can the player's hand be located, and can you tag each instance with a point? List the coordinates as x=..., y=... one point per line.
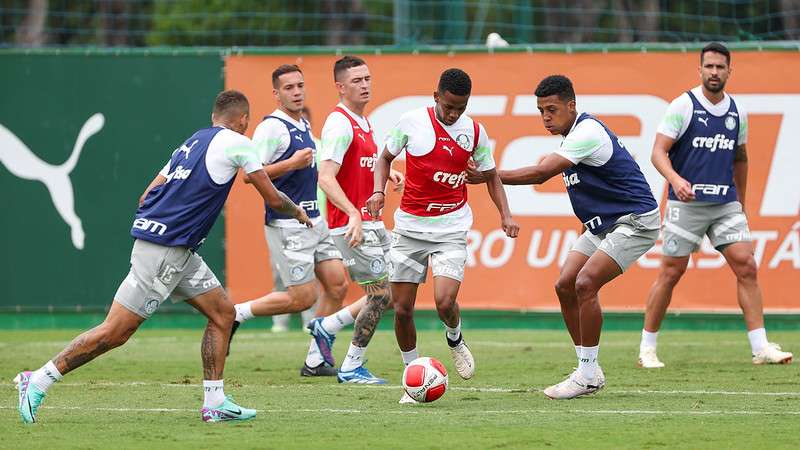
x=398, y=179
x=355, y=231
x=682, y=189
x=474, y=176
x=375, y=204
x=302, y=217
x=510, y=227
x=302, y=158
x=246, y=178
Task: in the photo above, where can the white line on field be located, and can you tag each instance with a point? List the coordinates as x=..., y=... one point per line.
x=449, y=411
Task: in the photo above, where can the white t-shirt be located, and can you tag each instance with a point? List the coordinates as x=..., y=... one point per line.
x=414, y=133
x=337, y=135
x=679, y=114
x=587, y=142
x=227, y=152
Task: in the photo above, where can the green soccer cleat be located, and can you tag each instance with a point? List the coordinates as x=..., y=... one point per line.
x=227, y=411
x=30, y=397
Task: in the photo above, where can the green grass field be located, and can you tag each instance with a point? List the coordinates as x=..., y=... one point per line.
x=147, y=394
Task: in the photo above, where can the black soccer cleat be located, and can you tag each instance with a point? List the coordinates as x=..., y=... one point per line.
x=322, y=370
x=230, y=339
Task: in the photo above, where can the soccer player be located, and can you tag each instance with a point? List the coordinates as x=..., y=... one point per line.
x=303, y=256
x=347, y=161
x=611, y=197
x=175, y=213
x=434, y=217
x=700, y=148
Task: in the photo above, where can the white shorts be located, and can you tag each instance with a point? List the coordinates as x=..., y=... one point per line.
x=412, y=251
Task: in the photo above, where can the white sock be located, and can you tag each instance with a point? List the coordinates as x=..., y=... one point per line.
x=578, y=350
x=46, y=376
x=335, y=322
x=314, y=356
x=409, y=356
x=243, y=311
x=214, y=393
x=587, y=365
x=648, y=339
x=453, y=333
x=354, y=358
x=758, y=339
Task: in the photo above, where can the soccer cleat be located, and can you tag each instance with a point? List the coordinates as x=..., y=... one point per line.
x=234, y=327
x=360, y=375
x=407, y=400
x=462, y=357
x=772, y=354
x=648, y=358
x=324, y=340
x=30, y=397
x=227, y=411
x=322, y=370
x=575, y=386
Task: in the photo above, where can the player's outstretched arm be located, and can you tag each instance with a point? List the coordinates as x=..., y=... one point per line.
x=549, y=166
x=381, y=176
x=495, y=187
x=328, y=169
x=660, y=159
x=740, y=172
x=276, y=199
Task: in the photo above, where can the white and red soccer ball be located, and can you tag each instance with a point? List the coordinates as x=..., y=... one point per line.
x=425, y=379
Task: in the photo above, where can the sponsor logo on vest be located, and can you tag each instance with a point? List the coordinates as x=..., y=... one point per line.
x=435, y=206
x=444, y=139
x=368, y=161
x=309, y=205
x=593, y=223
x=448, y=149
x=570, y=180
x=711, y=189
x=700, y=112
x=363, y=138
x=150, y=226
x=718, y=142
x=186, y=150
x=703, y=120
x=454, y=180
x=179, y=174
x=23, y=163
x=730, y=123
x=298, y=137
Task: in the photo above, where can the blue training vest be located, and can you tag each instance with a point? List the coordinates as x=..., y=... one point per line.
x=601, y=195
x=299, y=185
x=704, y=155
x=180, y=212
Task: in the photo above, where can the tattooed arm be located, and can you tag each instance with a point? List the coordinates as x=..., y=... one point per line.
x=276, y=199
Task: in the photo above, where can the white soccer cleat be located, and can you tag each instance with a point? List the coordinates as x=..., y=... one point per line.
x=648, y=358
x=772, y=354
x=576, y=386
x=462, y=357
x=407, y=400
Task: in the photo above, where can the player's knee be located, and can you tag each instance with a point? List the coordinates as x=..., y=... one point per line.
x=671, y=274
x=585, y=287
x=338, y=290
x=303, y=297
x=403, y=311
x=746, y=270
x=445, y=302
x=565, y=289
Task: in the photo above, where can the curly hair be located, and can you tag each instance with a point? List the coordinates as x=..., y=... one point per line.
x=455, y=81
x=556, y=85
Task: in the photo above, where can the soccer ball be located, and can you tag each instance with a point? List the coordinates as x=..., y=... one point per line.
x=425, y=379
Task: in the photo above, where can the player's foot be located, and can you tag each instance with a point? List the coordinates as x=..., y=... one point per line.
x=227, y=411
x=359, y=376
x=648, y=358
x=322, y=370
x=234, y=327
x=407, y=400
x=772, y=354
x=575, y=386
x=462, y=357
x=324, y=340
x=30, y=397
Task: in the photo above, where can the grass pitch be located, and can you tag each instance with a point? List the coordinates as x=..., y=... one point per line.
x=147, y=394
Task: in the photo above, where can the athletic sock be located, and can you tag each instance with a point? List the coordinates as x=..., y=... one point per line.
x=243, y=311
x=648, y=339
x=354, y=358
x=578, y=351
x=314, y=356
x=453, y=334
x=335, y=322
x=214, y=393
x=588, y=362
x=46, y=376
x=758, y=339
x=409, y=356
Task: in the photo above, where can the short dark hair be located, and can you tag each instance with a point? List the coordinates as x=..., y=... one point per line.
x=716, y=47
x=231, y=103
x=282, y=70
x=455, y=81
x=346, y=62
x=556, y=85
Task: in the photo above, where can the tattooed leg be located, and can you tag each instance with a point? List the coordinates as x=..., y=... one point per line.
x=115, y=330
x=219, y=310
x=370, y=315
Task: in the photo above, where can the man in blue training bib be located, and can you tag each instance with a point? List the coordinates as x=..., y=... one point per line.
x=700, y=149
x=175, y=214
x=611, y=197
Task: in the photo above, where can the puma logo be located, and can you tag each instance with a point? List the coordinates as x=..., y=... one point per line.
x=448, y=149
x=298, y=137
x=23, y=163
x=704, y=120
x=188, y=149
x=361, y=135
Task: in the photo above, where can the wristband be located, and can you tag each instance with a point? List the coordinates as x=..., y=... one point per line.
x=379, y=192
